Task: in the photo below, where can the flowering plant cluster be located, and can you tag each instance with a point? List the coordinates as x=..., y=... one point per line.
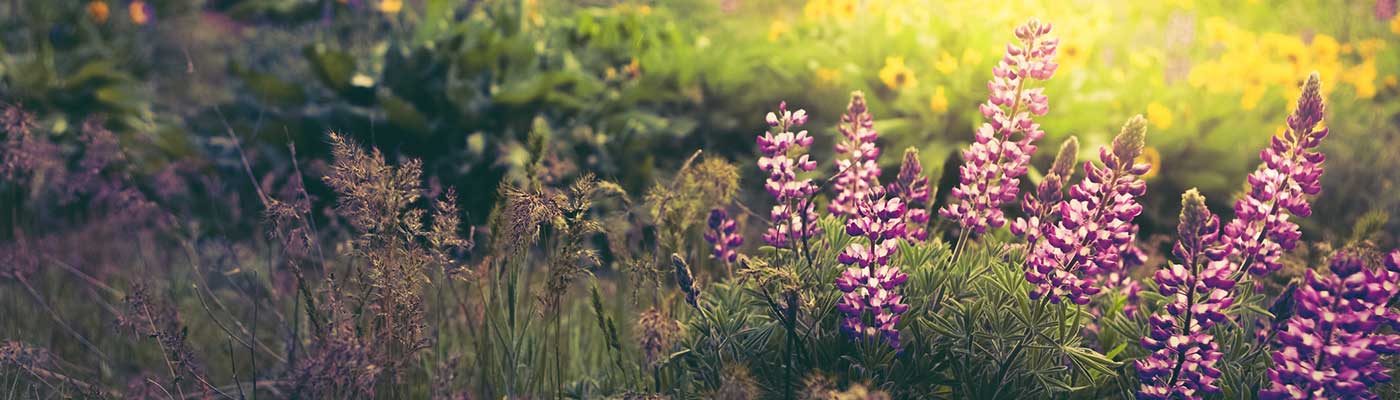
x=995, y=163
x=784, y=157
x=1292, y=169
x=1331, y=348
x=858, y=172
x=1095, y=227
x=1197, y=286
x=869, y=281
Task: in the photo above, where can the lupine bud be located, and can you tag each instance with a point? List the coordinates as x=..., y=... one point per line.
x=1095, y=230
x=858, y=171
x=1279, y=188
x=1331, y=347
x=869, y=302
x=685, y=280
x=1002, y=147
x=784, y=156
x=1182, y=362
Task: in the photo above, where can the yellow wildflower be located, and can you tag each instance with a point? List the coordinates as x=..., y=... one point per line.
x=139, y=11
x=939, y=102
x=98, y=11
x=1072, y=55
x=777, y=29
x=1395, y=24
x=390, y=6
x=1390, y=81
x=827, y=76
x=1369, y=47
x=897, y=76
x=633, y=69
x=1159, y=115
x=1152, y=157
x=1363, y=78
x=816, y=9
x=845, y=9
x=946, y=63
x=1253, y=92
x=971, y=56
x=1325, y=48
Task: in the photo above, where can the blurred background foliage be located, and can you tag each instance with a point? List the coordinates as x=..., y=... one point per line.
x=630, y=88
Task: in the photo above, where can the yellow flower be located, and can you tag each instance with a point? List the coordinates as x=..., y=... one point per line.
x=633, y=69
x=1184, y=4
x=139, y=11
x=816, y=9
x=939, y=102
x=1395, y=24
x=845, y=9
x=1072, y=55
x=827, y=76
x=897, y=76
x=971, y=56
x=390, y=6
x=946, y=63
x=1159, y=115
x=98, y=11
x=1253, y=92
x=1152, y=157
x=1363, y=78
x=777, y=29
x=1369, y=47
x=1325, y=48
x=1390, y=81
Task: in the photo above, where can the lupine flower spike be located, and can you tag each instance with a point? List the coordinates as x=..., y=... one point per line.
x=784, y=157
x=994, y=163
x=722, y=233
x=1197, y=287
x=870, y=303
x=1261, y=231
x=1331, y=348
x=858, y=172
x=912, y=187
x=1095, y=228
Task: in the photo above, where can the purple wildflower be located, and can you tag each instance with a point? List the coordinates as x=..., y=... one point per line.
x=869, y=282
x=858, y=172
x=784, y=156
x=1261, y=231
x=1095, y=230
x=1182, y=363
x=723, y=236
x=1329, y=348
x=912, y=187
x=994, y=164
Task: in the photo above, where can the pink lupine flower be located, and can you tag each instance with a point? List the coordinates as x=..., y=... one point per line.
x=912, y=187
x=1197, y=285
x=1331, y=348
x=1278, y=190
x=870, y=303
x=1095, y=229
x=994, y=163
x=858, y=171
x=784, y=157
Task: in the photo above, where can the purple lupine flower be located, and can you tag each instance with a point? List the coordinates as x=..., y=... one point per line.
x=1261, y=231
x=784, y=156
x=722, y=233
x=1095, y=229
x=869, y=282
x=1330, y=347
x=994, y=163
x=1197, y=286
x=858, y=173
x=912, y=187
x=1041, y=205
